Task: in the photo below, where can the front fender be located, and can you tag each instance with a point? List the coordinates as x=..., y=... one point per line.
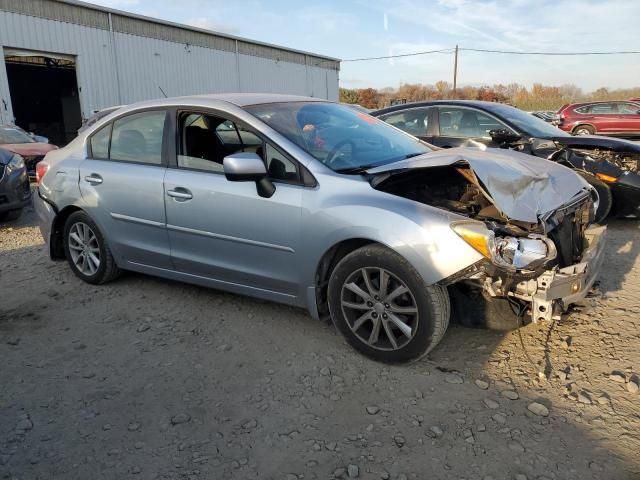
x=419, y=233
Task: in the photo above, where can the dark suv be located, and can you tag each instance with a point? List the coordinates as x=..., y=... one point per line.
x=620, y=118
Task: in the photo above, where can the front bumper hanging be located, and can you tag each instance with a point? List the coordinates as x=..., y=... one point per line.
x=554, y=290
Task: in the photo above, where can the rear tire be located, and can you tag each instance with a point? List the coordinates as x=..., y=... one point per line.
x=390, y=315
x=604, y=192
x=87, y=251
x=10, y=215
x=584, y=130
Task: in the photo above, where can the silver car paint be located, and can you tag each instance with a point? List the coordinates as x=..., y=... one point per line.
x=228, y=237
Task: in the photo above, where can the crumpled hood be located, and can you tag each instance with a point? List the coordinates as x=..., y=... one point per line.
x=593, y=142
x=523, y=187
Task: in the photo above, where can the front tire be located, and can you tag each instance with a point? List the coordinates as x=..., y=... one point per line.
x=382, y=306
x=87, y=251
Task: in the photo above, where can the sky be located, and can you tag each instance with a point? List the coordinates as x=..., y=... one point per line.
x=352, y=29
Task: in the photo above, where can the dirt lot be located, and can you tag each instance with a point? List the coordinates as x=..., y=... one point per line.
x=151, y=379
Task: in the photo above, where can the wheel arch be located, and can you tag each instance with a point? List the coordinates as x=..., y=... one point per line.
x=57, y=231
x=584, y=124
x=329, y=259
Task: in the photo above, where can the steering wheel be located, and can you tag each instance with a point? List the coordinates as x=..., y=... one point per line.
x=337, y=152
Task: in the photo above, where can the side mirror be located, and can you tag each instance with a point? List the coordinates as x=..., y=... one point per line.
x=248, y=167
x=503, y=135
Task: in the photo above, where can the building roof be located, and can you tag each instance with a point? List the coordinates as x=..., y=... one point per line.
x=84, y=13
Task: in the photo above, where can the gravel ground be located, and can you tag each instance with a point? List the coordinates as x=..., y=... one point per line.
x=151, y=379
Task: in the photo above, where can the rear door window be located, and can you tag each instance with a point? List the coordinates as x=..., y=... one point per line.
x=138, y=138
x=603, y=109
x=414, y=121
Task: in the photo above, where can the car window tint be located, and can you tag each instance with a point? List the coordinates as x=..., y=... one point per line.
x=603, y=108
x=467, y=123
x=628, y=109
x=279, y=167
x=100, y=142
x=414, y=121
x=138, y=138
x=207, y=139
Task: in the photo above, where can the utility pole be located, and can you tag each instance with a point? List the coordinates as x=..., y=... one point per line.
x=455, y=72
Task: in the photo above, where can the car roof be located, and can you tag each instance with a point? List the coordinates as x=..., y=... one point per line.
x=429, y=103
x=598, y=102
x=238, y=99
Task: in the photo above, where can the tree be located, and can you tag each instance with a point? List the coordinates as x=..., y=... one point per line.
x=348, y=95
x=368, y=97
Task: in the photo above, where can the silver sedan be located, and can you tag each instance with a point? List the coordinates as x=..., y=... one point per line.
x=314, y=204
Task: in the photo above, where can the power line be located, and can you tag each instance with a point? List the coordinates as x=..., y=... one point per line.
x=506, y=52
x=515, y=52
x=444, y=50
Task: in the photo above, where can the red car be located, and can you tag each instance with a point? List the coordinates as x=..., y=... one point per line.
x=16, y=140
x=613, y=118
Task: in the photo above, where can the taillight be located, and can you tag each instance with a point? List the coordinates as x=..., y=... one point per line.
x=41, y=169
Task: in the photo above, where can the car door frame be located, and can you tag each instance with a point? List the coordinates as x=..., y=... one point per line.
x=306, y=180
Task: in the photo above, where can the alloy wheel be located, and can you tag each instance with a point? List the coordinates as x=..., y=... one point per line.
x=379, y=308
x=84, y=248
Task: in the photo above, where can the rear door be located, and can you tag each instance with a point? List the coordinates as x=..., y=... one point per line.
x=121, y=183
x=604, y=117
x=224, y=230
x=415, y=121
x=464, y=126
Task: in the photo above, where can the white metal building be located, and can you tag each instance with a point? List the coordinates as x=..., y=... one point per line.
x=65, y=59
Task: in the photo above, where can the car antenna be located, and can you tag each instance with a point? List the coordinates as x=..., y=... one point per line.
x=165, y=95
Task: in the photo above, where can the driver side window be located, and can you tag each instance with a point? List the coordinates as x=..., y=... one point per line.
x=206, y=139
x=467, y=123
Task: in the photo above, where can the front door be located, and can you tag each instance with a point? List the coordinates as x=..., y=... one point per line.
x=121, y=183
x=465, y=127
x=224, y=230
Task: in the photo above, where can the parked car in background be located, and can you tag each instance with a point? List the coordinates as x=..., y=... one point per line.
x=16, y=140
x=15, y=191
x=546, y=115
x=616, y=118
x=610, y=165
x=314, y=204
x=97, y=115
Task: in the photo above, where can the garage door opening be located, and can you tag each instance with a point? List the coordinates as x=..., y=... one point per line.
x=44, y=94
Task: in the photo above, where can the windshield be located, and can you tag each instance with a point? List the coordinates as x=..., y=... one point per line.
x=14, y=135
x=526, y=122
x=340, y=137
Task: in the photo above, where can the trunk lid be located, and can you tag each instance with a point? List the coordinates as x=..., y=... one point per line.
x=522, y=187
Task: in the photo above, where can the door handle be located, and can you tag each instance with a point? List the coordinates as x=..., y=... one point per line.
x=180, y=194
x=93, y=179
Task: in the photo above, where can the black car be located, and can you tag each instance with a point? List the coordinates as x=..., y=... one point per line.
x=15, y=192
x=609, y=164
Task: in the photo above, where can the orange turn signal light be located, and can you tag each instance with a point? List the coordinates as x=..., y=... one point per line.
x=476, y=235
x=606, y=178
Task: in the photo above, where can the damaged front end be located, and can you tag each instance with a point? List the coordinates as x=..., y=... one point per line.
x=541, y=252
x=613, y=161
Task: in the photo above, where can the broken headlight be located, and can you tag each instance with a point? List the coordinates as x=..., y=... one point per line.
x=518, y=253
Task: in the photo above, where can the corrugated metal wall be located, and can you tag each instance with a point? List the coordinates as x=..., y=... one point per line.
x=123, y=60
